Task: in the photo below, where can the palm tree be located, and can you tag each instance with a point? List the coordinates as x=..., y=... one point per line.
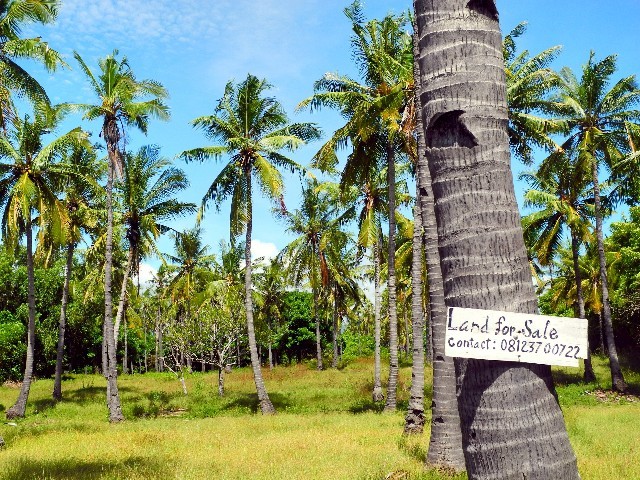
x=564, y=203
x=312, y=255
x=270, y=289
x=13, y=78
x=149, y=188
x=483, y=256
x=123, y=100
x=253, y=129
x=28, y=181
x=374, y=112
x=530, y=82
x=81, y=198
x=598, y=118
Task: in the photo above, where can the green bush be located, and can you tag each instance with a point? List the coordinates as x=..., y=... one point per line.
x=12, y=347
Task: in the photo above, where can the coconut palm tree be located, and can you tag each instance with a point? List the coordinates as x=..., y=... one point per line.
x=29, y=175
x=598, y=117
x=374, y=112
x=483, y=256
x=149, y=188
x=563, y=203
x=122, y=100
x=13, y=78
x=253, y=129
x=81, y=199
x=312, y=254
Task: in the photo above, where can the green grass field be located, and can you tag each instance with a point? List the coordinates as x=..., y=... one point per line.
x=326, y=428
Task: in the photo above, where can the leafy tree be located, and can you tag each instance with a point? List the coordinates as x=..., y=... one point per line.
x=253, y=130
x=122, y=100
x=28, y=178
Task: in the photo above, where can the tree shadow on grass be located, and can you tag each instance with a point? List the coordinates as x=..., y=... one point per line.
x=90, y=394
x=140, y=467
x=563, y=377
x=365, y=406
x=250, y=402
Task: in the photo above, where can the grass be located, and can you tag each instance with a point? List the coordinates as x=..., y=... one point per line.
x=326, y=428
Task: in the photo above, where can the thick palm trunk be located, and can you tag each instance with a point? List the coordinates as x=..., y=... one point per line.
x=20, y=407
x=113, y=396
x=123, y=297
x=617, y=379
x=445, y=442
x=57, y=382
x=512, y=425
x=589, y=375
x=378, y=396
x=414, y=421
x=263, y=397
x=392, y=386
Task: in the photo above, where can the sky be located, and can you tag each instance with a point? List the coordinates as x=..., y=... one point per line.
x=194, y=47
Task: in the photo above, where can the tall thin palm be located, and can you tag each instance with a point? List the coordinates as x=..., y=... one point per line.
x=122, y=100
x=598, y=117
x=253, y=129
x=149, y=188
x=374, y=112
x=29, y=175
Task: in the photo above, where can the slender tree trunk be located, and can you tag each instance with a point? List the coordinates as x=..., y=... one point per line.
x=20, y=407
x=392, y=386
x=414, y=421
x=270, y=356
x=125, y=356
x=334, y=362
x=113, y=396
x=512, y=425
x=445, y=442
x=57, y=382
x=589, y=375
x=220, y=381
x=316, y=318
x=617, y=378
x=378, y=396
x=601, y=330
x=123, y=298
x=263, y=397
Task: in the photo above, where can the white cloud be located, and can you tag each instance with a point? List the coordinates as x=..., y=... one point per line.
x=267, y=250
x=147, y=273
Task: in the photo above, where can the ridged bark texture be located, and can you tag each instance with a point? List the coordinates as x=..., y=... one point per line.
x=392, y=386
x=266, y=407
x=20, y=407
x=414, y=421
x=589, y=375
x=111, y=372
x=334, y=340
x=377, y=394
x=512, y=425
x=57, y=382
x=617, y=379
x=316, y=318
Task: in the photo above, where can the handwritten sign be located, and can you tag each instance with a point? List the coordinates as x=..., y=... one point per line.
x=515, y=337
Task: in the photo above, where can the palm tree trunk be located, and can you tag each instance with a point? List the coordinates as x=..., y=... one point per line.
x=123, y=297
x=20, y=407
x=334, y=362
x=220, y=381
x=57, y=383
x=414, y=421
x=589, y=375
x=512, y=426
x=392, y=386
x=316, y=318
x=445, y=442
x=617, y=379
x=378, y=396
x=263, y=397
x=113, y=396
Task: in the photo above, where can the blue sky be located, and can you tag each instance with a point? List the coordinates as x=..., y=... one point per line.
x=194, y=47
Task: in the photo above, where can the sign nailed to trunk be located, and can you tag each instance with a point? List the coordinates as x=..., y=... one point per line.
x=515, y=337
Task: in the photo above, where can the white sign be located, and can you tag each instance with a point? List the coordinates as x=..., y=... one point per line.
x=515, y=337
